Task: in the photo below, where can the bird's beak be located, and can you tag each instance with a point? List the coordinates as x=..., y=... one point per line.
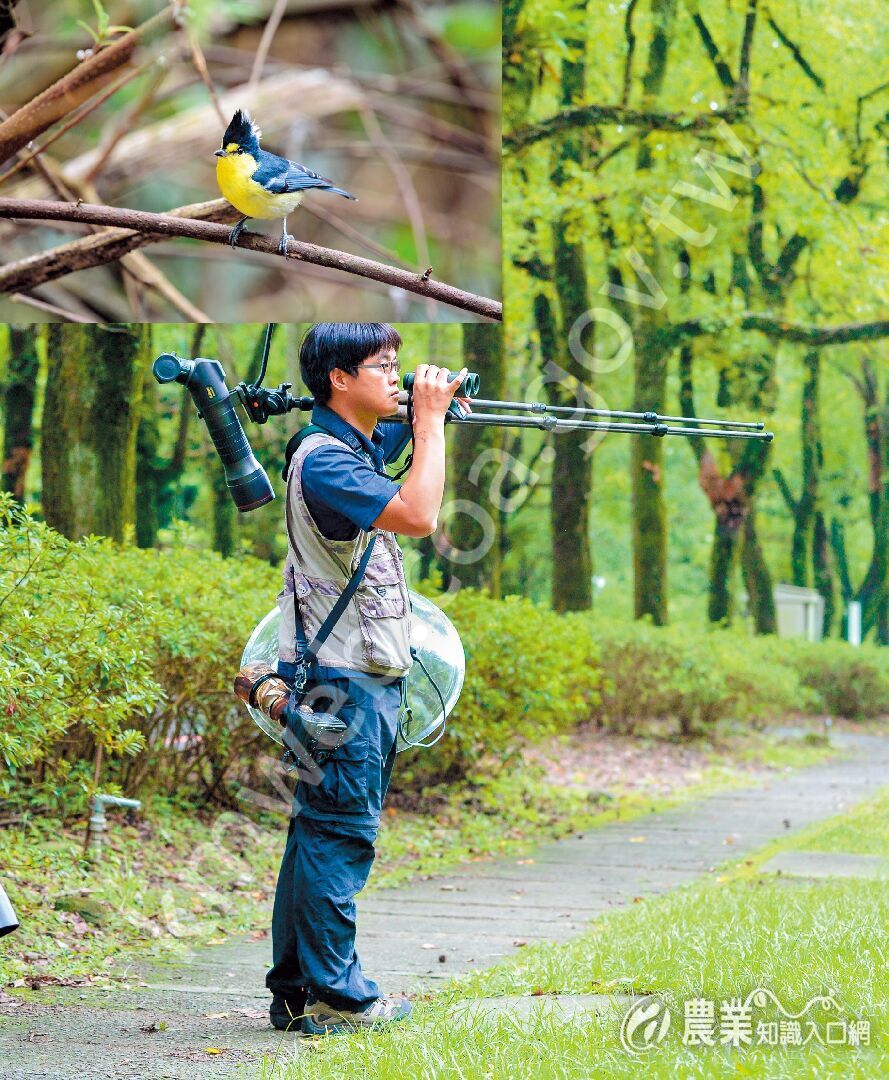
x=218, y=153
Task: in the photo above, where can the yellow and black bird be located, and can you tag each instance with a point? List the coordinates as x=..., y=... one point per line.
x=260, y=184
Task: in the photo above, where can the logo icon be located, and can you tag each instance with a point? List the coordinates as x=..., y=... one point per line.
x=645, y=1025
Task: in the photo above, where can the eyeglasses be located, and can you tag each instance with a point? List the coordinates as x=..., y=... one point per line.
x=386, y=366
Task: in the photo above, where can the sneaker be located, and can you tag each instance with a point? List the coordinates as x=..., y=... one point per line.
x=322, y=1019
x=286, y=1013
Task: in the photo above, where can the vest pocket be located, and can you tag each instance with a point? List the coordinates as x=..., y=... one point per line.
x=380, y=595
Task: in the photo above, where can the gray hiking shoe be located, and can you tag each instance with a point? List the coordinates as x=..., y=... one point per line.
x=321, y=1018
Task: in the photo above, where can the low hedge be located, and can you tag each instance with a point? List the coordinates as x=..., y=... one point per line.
x=134, y=651
x=850, y=681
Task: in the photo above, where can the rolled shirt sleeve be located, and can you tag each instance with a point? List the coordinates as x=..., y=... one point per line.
x=396, y=437
x=337, y=478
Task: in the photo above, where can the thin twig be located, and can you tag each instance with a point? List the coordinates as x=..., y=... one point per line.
x=405, y=186
x=43, y=305
x=347, y=229
x=201, y=66
x=162, y=226
x=125, y=123
x=265, y=43
x=76, y=86
x=79, y=114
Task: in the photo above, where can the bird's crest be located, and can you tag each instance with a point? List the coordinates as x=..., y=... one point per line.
x=242, y=130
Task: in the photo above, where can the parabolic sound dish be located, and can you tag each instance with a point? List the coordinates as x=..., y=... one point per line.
x=439, y=647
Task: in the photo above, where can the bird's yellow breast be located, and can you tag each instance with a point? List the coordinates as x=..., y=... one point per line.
x=233, y=176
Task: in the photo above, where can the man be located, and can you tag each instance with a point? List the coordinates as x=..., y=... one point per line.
x=339, y=499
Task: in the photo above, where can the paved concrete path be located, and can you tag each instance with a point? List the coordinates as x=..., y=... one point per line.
x=420, y=934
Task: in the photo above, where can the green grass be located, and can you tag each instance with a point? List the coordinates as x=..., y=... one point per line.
x=173, y=880
x=720, y=938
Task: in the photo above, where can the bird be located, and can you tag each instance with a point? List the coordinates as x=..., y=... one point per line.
x=260, y=184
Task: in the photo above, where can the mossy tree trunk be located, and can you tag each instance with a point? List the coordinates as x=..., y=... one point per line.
x=473, y=464
x=21, y=387
x=810, y=549
x=156, y=477
x=90, y=423
x=647, y=457
x=650, y=371
x=572, y=462
x=873, y=593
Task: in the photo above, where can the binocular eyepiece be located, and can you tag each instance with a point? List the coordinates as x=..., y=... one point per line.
x=205, y=381
x=468, y=388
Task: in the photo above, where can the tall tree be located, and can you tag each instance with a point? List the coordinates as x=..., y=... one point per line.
x=810, y=554
x=475, y=464
x=572, y=463
x=21, y=389
x=650, y=383
x=156, y=476
x=90, y=422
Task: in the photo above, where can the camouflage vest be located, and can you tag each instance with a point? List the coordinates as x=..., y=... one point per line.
x=373, y=633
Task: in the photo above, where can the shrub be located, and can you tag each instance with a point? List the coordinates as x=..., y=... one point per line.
x=691, y=678
x=132, y=651
x=529, y=673
x=135, y=651
x=851, y=681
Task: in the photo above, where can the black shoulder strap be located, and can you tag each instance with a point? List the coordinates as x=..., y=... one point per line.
x=336, y=612
x=296, y=440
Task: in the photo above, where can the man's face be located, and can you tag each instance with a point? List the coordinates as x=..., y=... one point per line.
x=374, y=388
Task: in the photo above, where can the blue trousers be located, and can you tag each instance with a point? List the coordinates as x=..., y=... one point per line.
x=330, y=849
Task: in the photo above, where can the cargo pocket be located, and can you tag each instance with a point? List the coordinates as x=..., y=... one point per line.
x=381, y=608
x=343, y=787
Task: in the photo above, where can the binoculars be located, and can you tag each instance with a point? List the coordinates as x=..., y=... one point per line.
x=468, y=388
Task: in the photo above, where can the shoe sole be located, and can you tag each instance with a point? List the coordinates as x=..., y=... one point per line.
x=309, y=1027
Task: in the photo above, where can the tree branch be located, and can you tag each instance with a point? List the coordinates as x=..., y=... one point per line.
x=774, y=327
x=631, y=48
x=158, y=227
x=742, y=84
x=588, y=115
x=784, y=488
x=77, y=86
x=723, y=71
x=796, y=54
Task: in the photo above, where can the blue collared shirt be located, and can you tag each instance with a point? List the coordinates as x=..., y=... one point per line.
x=345, y=486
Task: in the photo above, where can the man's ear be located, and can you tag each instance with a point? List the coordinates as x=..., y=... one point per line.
x=339, y=379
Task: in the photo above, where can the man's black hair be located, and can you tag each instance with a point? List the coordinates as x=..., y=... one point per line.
x=330, y=345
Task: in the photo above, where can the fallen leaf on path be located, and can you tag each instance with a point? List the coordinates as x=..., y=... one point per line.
x=253, y=1014
x=216, y=1016
x=213, y=1050
x=637, y=839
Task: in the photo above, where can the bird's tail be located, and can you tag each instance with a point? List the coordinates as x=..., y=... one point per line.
x=345, y=194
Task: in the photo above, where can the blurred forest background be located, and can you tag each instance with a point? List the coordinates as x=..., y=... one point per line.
x=698, y=194
x=397, y=101
x=99, y=448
